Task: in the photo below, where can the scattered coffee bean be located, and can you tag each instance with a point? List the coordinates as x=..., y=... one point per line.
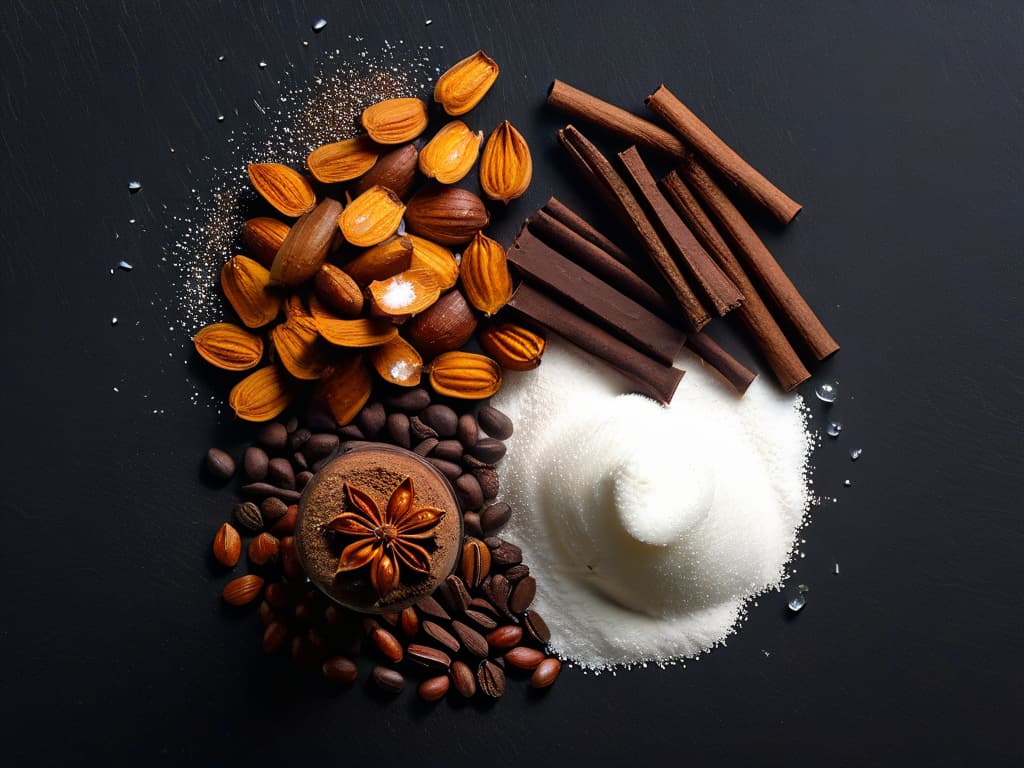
x=494, y=423
x=387, y=644
x=321, y=444
x=424, y=447
x=475, y=563
x=495, y=516
x=428, y=606
x=467, y=430
x=504, y=637
x=410, y=400
x=389, y=680
x=487, y=478
x=420, y=431
x=484, y=606
x=290, y=565
x=299, y=438
x=272, y=509
x=497, y=591
x=488, y=450
x=391, y=618
x=220, y=464
x=448, y=469
x=248, y=515
x=522, y=594
x=281, y=474
x=471, y=525
x=441, y=418
x=463, y=679
x=517, y=572
x=277, y=595
x=397, y=425
x=506, y=553
x=467, y=488
x=481, y=619
x=319, y=418
x=472, y=641
x=454, y=594
x=273, y=436
x=441, y=636
x=285, y=525
x=292, y=424
x=302, y=479
x=299, y=461
x=471, y=462
x=351, y=432
x=449, y=450
x=433, y=688
x=546, y=673
x=275, y=636
x=263, y=549
x=522, y=657
x=341, y=670
x=254, y=463
x=266, y=489
x=491, y=679
x=371, y=420
x=536, y=627
x=428, y=657
x=409, y=622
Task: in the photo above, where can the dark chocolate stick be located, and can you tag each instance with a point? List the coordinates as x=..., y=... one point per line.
x=708, y=350
x=779, y=353
x=596, y=166
x=559, y=211
x=718, y=289
x=654, y=379
x=595, y=300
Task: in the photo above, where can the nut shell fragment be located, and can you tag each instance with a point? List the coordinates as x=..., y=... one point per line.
x=486, y=280
x=262, y=236
x=382, y=261
x=465, y=375
x=345, y=388
x=358, y=333
x=406, y=293
x=342, y=160
x=246, y=284
x=395, y=121
x=506, y=167
x=446, y=215
x=465, y=83
x=397, y=362
x=261, y=395
x=513, y=346
x=451, y=153
x=372, y=217
x=228, y=346
x=436, y=258
x=336, y=289
x=395, y=170
x=296, y=342
x=307, y=245
x=284, y=188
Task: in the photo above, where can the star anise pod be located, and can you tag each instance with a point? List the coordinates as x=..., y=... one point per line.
x=386, y=540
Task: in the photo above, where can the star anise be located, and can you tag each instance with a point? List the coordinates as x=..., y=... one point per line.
x=386, y=539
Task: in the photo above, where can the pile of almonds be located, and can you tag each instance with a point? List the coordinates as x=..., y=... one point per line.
x=370, y=288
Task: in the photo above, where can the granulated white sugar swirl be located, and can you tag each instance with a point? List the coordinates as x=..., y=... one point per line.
x=649, y=528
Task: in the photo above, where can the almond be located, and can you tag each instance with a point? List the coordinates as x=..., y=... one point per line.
x=395, y=170
x=465, y=375
x=297, y=347
x=294, y=306
x=514, y=347
x=262, y=236
x=506, y=167
x=345, y=388
x=436, y=258
x=261, y=395
x=444, y=327
x=284, y=188
x=243, y=590
x=227, y=545
x=397, y=362
x=320, y=311
x=446, y=215
x=451, y=153
x=246, y=283
x=339, y=292
x=486, y=280
x=372, y=217
x=362, y=332
x=382, y=261
x=342, y=160
x=395, y=121
x=307, y=245
x=228, y=346
x=406, y=293
x=463, y=86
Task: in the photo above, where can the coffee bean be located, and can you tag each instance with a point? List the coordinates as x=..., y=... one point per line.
x=454, y=594
x=263, y=490
x=388, y=680
x=273, y=509
x=441, y=419
x=371, y=420
x=517, y=572
x=298, y=438
x=290, y=565
x=467, y=430
x=463, y=679
x=494, y=423
x=506, y=553
x=428, y=657
x=285, y=525
x=321, y=444
x=484, y=606
x=420, y=431
x=497, y=591
x=387, y=644
x=275, y=636
x=370, y=625
x=299, y=461
x=220, y=464
x=292, y=424
x=409, y=622
x=536, y=627
x=487, y=477
x=522, y=657
x=488, y=450
x=428, y=606
x=248, y=516
x=424, y=447
x=441, y=636
x=491, y=679
x=495, y=516
x=467, y=488
x=433, y=688
x=449, y=450
x=546, y=673
x=302, y=479
x=340, y=669
x=281, y=474
x=481, y=619
x=273, y=436
x=471, y=462
x=472, y=641
x=391, y=618
x=522, y=595
x=254, y=463
x=277, y=595
x=475, y=562
x=448, y=469
x=471, y=525
x=507, y=636
x=397, y=425
x=410, y=400
x=351, y=432
x=319, y=418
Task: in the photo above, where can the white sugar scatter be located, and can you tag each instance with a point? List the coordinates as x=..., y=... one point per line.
x=319, y=24
x=134, y=186
x=399, y=293
x=402, y=370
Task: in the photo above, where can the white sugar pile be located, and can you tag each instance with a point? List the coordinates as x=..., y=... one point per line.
x=649, y=528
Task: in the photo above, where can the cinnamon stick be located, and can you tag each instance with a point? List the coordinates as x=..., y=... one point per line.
x=653, y=379
x=778, y=352
x=594, y=299
x=759, y=260
x=559, y=211
x=721, y=156
x=589, y=256
x=708, y=350
x=596, y=166
x=721, y=293
x=581, y=105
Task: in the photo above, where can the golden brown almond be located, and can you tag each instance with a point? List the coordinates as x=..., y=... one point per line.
x=513, y=346
x=243, y=590
x=382, y=261
x=263, y=549
x=444, y=327
x=338, y=291
x=284, y=188
x=395, y=170
x=261, y=395
x=361, y=332
x=406, y=293
x=372, y=217
x=395, y=121
x=345, y=388
x=450, y=154
x=307, y=245
x=463, y=86
x=506, y=167
x=486, y=280
x=436, y=258
x=262, y=236
x=227, y=545
x=320, y=311
x=228, y=346
x=342, y=160
x=246, y=284
x=465, y=375
x=294, y=306
x=296, y=342
x=446, y=215
x=397, y=362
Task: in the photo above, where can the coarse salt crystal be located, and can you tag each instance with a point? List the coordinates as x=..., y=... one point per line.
x=399, y=293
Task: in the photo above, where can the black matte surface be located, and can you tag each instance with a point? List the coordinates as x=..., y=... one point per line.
x=897, y=125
